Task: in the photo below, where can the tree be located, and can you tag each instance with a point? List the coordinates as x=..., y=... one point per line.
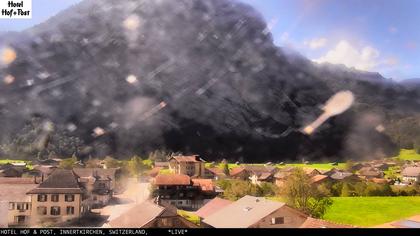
x=43, y=139
x=135, y=166
x=345, y=190
x=302, y=195
x=111, y=162
x=349, y=165
x=238, y=189
x=417, y=145
x=68, y=163
x=225, y=168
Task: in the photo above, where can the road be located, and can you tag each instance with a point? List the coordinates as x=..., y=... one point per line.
x=136, y=192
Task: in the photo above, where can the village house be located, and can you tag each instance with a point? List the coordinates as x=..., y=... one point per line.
x=255, y=173
x=99, y=184
x=192, y=166
x=58, y=199
x=311, y=171
x=150, y=215
x=357, y=166
x=281, y=178
x=12, y=170
x=255, y=212
x=15, y=204
x=183, y=192
x=370, y=172
x=215, y=173
x=320, y=179
x=162, y=164
x=410, y=174
x=344, y=176
x=211, y=207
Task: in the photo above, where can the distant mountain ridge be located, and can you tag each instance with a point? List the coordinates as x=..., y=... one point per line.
x=205, y=78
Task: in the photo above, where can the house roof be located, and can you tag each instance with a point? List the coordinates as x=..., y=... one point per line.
x=236, y=171
x=308, y=170
x=137, y=216
x=412, y=222
x=60, y=181
x=379, y=180
x=265, y=176
x=282, y=174
x=258, y=169
x=16, y=180
x=155, y=171
x=205, y=185
x=92, y=172
x=15, y=192
x=287, y=169
x=216, y=171
x=161, y=164
x=341, y=175
x=370, y=172
x=318, y=223
x=318, y=178
x=173, y=179
x=412, y=171
x=243, y=213
x=212, y=206
x=192, y=158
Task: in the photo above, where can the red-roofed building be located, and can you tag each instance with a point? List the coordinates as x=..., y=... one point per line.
x=183, y=192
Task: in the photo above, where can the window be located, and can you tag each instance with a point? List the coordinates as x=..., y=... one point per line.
x=11, y=206
x=55, y=211
x=21, y=206
x=277, y=220
x=41, y=210
x=54, y=198
x=70, y=210
x=69, y=198
x=102, y=185
x=20, y=219
x=42, y=197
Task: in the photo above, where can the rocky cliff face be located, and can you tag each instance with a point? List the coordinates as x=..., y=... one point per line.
x=194, y=76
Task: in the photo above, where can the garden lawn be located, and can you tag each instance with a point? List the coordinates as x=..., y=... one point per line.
x=371, y=211
x=406, y=154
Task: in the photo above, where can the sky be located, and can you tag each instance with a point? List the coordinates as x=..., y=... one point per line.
x=370, y=35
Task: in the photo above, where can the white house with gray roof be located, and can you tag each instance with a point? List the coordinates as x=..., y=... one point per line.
x=255, y=212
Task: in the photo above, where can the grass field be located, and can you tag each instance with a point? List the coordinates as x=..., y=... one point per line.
x=406, y=154
x=190, y=216
x=371, y=211
x=320, y=166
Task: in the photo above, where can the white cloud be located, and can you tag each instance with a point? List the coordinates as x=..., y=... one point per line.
x=316, y=43
x=364, y=58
